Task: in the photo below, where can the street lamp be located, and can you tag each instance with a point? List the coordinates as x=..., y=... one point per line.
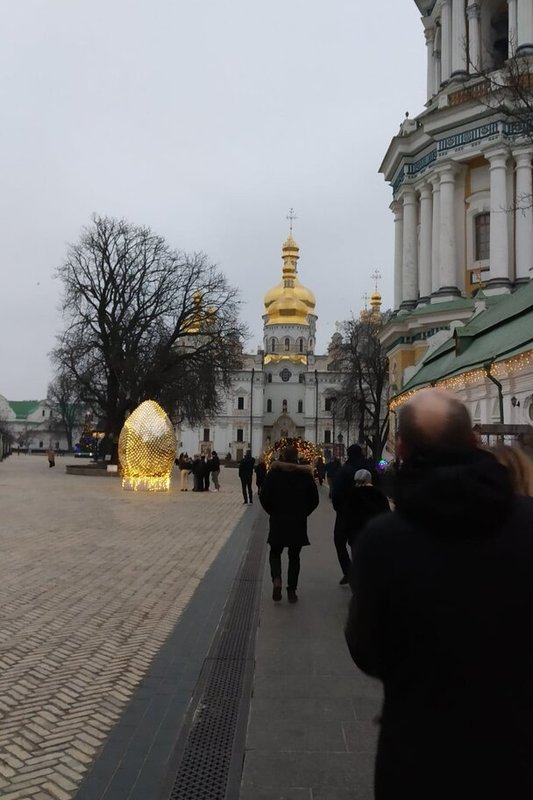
x=333, y=412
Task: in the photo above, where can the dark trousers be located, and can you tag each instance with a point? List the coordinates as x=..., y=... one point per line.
x=206, y=482
x=246, y=484
x=294, y=564
x=340, y=538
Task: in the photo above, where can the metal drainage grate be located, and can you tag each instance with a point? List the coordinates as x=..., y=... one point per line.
x=204, y=769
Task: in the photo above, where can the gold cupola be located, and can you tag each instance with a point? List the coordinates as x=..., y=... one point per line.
x=289, y=303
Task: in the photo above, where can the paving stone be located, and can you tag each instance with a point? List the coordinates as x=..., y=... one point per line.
x=93, y=580
x=275, y=793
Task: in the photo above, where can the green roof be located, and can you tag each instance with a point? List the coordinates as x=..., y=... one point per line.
x=503, y=330
x=23, y=408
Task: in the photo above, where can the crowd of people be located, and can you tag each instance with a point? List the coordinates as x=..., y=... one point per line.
x=203, y=469
x=439, y=558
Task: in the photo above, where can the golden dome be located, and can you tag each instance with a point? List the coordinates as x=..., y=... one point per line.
x=289, y=302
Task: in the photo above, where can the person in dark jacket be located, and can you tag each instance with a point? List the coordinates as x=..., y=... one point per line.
x=213, y=465
x=442, y=615
x=342, y=486
x=246, y=473
x=331, y=469
x=363, y=502
x=260, y=475
x=320, y=470
x=289, y=496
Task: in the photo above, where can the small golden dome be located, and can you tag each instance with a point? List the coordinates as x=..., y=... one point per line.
x=289, y=301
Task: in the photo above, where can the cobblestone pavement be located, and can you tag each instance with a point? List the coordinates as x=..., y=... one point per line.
x=92, y=581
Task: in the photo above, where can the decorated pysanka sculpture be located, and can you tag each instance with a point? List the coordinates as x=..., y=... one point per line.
x=147, y=449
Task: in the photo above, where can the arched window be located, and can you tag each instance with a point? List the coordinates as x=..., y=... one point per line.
x=269, y=405
x=273, y=344
x=301, y=343
x=310, y=344
x=269, y=377
x=284, y=406
x=300, y=406
x=287, y=345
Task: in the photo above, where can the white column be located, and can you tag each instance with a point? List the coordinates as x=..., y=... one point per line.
x=397, y=209
x=448, y=235
x=513, y=27
x=445, y=49
x=499, y=222
x=524, y=214
x=435, y=238
x=410, y=247
x=459, y=39
x=430, y=39
x=426, y=213
x=474, y=37
x=524, y=24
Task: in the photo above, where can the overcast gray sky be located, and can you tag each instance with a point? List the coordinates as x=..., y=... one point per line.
x=206, y=120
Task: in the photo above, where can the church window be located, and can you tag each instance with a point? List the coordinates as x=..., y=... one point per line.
x=41, y=445
x=273, y=344
x=482, y=236
x=499, y=32
x=57, y=445
x=269, y=405
x=301, y=345
x=301, y=377
x=206, y=434
x=287, y=345
x=269, y=377
x=300, y=406
x=327, y=405
x=240, y=403
x=240, y=434
x=43, y=413
x=327, y=437
x=284, y=406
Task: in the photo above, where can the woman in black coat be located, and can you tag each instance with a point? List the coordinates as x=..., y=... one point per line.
x=289, y=495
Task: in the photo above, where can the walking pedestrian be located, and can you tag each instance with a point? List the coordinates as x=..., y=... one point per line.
x=246, y=472
x=260, y=475
x=289, y=495
x=363, y=502
x=342, y=486
x=51, y=455
x=441, y=613
x=320, y=470
x=214, y=468
x=331, y=469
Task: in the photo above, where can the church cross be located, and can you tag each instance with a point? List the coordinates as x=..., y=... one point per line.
x=365, y=298
x=291, y=216
x=376, y=276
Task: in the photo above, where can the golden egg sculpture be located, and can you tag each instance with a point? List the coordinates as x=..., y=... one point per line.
x=147, y=449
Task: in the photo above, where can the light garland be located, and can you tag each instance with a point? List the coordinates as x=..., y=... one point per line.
x=147, y=449
x=308, y=452
x=499, y=369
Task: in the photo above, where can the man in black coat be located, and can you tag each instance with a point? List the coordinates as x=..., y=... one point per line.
x=442, y=614
x=246, y=473
x=289, y=495
x=342, y=487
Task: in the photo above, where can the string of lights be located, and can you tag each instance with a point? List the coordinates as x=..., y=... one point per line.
x=308, y=452
x=147, y=449
x=499, y=369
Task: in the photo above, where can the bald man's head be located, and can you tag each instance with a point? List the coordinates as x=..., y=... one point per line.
x=434, y=418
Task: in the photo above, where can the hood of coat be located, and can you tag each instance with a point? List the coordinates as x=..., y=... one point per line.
x=466, y=493
x=287, y=466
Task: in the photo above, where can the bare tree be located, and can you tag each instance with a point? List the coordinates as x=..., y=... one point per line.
x=65, y=405
x=357, y=351
x=143, y=321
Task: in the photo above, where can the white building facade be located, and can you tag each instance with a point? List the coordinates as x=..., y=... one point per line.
x=462, y=184
x=285, y=390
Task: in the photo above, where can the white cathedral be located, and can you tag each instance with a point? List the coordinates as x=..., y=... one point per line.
x=286, y=389
x=462, y=184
